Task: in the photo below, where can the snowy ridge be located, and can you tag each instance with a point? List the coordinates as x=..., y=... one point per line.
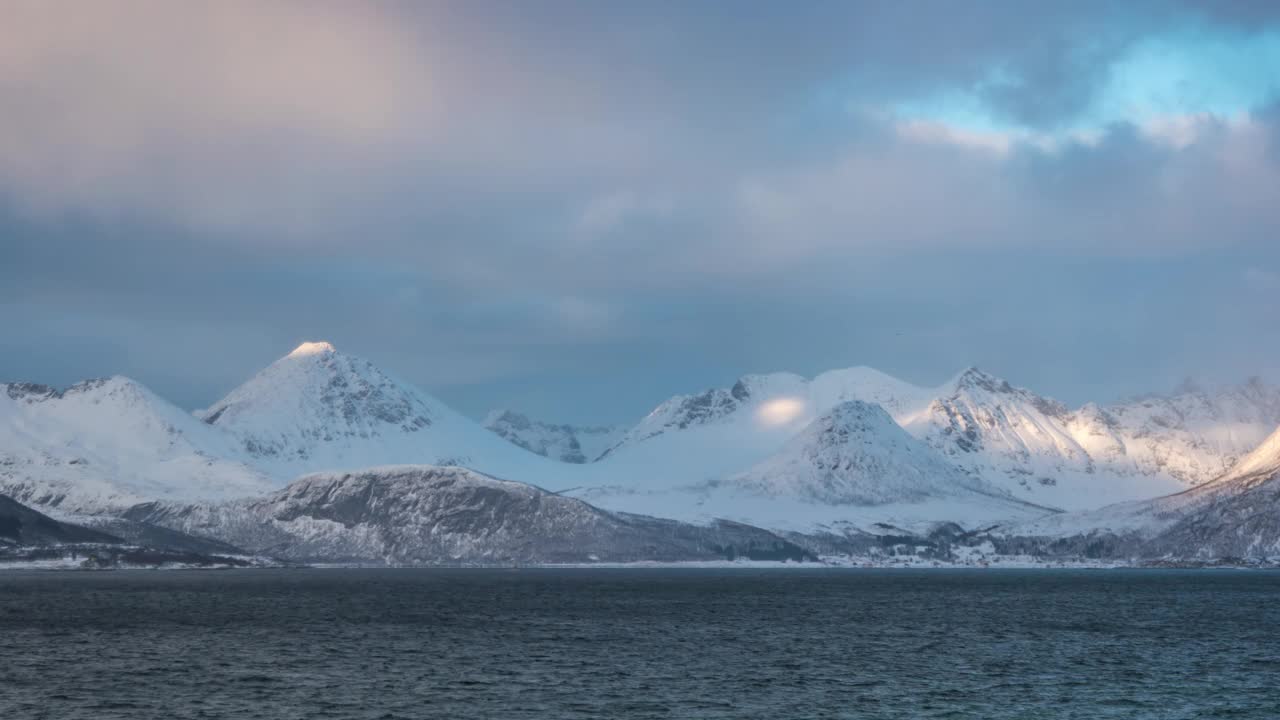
x=563, y=442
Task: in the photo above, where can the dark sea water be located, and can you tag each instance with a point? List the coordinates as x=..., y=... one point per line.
x=643, y=643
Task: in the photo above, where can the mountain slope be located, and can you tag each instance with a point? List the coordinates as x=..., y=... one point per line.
x=425, y=515
x=107, y=444
x=566, y=443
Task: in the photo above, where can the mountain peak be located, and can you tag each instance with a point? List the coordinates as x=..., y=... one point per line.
x=972, y=378
x=312, y=348
x=317, y=397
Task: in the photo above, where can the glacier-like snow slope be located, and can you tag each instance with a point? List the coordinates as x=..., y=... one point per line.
x=106, y=444
x=563, y=442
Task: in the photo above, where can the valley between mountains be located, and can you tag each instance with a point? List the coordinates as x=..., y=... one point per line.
x=323, y=457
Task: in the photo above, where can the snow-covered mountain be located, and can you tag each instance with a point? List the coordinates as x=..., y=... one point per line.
x=566, y=443
x=855, y=454
x=107, y=444
x=439, y=515
x=777, y=451
x=318, y=409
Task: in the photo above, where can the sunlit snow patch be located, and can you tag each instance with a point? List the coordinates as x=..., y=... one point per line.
x=780, y=411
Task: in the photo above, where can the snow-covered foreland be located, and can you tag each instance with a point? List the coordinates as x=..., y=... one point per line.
x=826, y=457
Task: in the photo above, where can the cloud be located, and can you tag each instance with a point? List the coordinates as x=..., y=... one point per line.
x=474, y=193
x=201, y=112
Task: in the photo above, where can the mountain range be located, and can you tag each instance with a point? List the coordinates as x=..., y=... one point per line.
x=324, y=455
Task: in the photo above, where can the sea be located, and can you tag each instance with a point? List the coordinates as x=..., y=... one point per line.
x=634, y=643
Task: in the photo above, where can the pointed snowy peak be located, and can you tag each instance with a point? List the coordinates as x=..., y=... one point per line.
x=316, y=394
x=313, y=348
x=856, y=454
x=989, y=389
x=316, y=385
x=319, y=409
x=972, y=378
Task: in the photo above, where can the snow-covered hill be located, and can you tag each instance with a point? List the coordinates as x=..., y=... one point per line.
x=566, y=443
x=106, y=444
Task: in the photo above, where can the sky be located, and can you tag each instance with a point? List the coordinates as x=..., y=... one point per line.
x=579, y=209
